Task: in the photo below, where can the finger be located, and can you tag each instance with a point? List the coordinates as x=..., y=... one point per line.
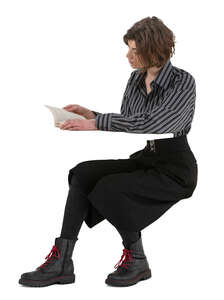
x=63, y=126
x=69, y=123
x=67, y=126
x=71, y=128
x=66, y=123
x=74, y=128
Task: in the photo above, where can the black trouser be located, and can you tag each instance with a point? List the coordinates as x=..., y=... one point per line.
x=76, y=210
x=130, y=193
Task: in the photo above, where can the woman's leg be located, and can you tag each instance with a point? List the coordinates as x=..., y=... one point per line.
x=76, y=209
x=82, y=180
x=129, y=237
x=58, y=267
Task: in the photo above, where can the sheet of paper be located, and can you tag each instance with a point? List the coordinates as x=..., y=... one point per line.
x=61, y=115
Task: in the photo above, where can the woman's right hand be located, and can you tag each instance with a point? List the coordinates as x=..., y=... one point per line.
x=80, y=110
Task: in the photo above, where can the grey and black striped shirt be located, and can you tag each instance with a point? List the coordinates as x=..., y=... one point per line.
x=168, y=108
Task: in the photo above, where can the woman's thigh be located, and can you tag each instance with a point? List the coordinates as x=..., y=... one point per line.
x=88, y=173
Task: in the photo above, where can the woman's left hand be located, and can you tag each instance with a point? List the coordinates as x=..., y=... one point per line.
x=78, y=124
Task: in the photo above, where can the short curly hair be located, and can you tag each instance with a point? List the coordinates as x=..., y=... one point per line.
x=155, y=42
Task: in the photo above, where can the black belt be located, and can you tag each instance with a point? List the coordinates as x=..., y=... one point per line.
x=179, y=143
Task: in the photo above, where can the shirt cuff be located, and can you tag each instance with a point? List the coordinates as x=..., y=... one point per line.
x=103, y=121
x=96, y=112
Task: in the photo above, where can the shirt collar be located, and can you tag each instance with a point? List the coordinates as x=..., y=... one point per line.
x=162, y=78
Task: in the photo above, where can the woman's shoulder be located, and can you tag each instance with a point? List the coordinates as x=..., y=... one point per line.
x=182, y=76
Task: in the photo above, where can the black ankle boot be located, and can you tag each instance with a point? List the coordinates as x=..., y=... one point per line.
x=58, y=268
x=132, y=269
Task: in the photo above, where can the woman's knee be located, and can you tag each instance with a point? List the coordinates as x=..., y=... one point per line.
x=81, y=174
x=80, y=168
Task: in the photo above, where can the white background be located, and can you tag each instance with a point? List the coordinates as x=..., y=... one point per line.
x=72, y=52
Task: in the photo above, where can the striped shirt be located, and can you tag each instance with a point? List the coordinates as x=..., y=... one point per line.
x=168, y=108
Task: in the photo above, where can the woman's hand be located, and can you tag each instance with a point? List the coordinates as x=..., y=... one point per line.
x=78, y=124
x=80, y=110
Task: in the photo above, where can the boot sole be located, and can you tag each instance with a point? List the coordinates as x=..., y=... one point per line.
x=42, y=283
x=141, y=276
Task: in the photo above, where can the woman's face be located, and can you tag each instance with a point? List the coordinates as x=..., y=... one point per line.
x=132, y=55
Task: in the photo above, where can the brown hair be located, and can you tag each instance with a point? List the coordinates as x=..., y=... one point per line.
x=155, y=42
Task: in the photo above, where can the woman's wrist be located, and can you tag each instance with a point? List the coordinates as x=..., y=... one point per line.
x=92, y=124
x=90, y=115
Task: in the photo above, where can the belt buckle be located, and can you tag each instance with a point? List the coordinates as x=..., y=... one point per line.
x=152, y=145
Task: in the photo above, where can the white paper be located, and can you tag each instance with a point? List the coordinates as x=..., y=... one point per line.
x=61, y=115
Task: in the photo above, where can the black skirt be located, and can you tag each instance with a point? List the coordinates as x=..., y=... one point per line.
x=132, y=193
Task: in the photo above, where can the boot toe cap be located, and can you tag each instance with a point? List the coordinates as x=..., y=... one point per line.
x=128, y=279
x=30, y=275
x=119, y=274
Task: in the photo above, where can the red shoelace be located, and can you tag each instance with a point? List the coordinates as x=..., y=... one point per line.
x=127, y=258
x=54, y=253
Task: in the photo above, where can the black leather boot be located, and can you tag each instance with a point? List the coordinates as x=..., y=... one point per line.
x=58, y=267
x=132, y=269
